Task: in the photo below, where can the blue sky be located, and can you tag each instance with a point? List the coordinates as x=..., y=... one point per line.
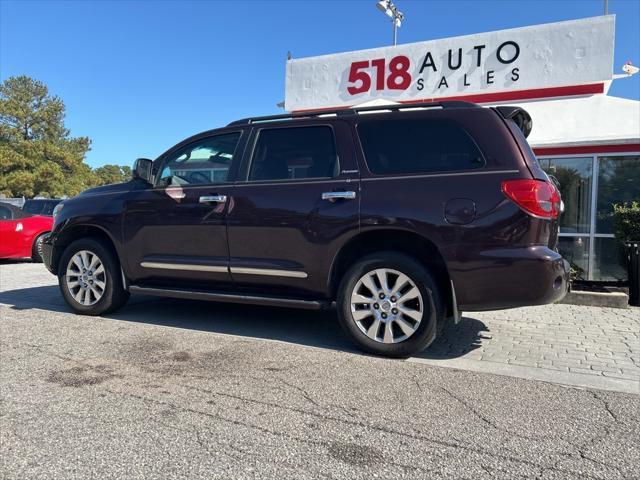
x=139, y=76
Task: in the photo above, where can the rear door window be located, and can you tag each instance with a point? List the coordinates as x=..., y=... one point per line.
x=294, y=153
x=417, y=146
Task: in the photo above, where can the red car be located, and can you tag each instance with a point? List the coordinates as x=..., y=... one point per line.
x=21, y=233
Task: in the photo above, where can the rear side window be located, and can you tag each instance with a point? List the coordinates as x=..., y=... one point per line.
x=5, y=213
x=527, y=151
x=294, y=153
x=417, y=146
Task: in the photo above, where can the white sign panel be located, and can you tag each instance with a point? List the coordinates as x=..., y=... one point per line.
x=577, y=52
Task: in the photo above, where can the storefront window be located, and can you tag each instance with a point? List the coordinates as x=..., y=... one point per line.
x=576, y=251
x=608, y=264
x=618, y=182
x=575, y=176
x=586, y=236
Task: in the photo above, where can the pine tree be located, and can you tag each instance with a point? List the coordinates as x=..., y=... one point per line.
x=37, y=154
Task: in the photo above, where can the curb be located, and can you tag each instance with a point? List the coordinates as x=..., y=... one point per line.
x=534, y=373
x=596, y=299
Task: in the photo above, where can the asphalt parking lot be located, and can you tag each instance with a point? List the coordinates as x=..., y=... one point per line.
x=176, y=389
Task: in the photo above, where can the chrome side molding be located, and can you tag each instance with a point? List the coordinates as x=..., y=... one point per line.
x=272, y=272
x=269, y=272
x=185, y=266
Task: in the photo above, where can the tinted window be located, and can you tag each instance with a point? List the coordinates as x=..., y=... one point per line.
x=290, y=153
x=5, y=213
x=617, y=183
x=202, y=162
x=32, y=206
x=417, y=146
x=48, y=207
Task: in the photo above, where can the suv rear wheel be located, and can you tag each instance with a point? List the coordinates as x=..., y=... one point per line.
x=389, y=305
x=89, y=278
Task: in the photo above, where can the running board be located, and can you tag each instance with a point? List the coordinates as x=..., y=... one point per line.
x=232, y=298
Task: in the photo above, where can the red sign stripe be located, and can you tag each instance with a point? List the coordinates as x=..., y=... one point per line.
x=530, y=94
x=586, y=149
x=533, y=93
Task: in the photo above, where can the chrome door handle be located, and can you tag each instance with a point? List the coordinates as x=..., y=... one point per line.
x=213, y=199
x=338, y=196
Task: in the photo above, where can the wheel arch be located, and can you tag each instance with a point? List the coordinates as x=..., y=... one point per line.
x=402, y=241
x=34, y=238
x=75, y=232
x=38, y=233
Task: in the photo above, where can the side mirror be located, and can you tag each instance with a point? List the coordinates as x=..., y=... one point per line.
x=142, y=169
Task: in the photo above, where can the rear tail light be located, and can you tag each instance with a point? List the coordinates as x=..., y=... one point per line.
x=536, y=197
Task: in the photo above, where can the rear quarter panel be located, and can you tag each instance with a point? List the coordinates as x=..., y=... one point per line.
x=416, y=203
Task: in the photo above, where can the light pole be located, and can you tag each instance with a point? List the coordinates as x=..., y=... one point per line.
x=396, y=16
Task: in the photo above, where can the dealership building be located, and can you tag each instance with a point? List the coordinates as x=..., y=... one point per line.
x=560, y=73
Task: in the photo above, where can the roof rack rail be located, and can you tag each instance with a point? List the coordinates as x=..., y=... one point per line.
x=354, y=111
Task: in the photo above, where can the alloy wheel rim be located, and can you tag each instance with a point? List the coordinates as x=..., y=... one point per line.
x=387, y=305
x=86, y=278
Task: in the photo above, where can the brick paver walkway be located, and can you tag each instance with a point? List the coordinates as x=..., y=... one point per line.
x=567, y=338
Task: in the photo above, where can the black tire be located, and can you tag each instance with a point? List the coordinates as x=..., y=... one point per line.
x=36, y=248
x=432, y=305
x=114, y=295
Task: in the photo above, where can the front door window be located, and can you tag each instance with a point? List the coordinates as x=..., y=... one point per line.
x=206, y=161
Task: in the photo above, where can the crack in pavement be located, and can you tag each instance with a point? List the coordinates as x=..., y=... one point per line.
x=222, y=418
x=304, y=393
x=489, y=422
x=358, y=423
x=600, y=435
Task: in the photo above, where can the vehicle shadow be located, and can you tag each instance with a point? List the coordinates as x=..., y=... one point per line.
x=310, y=328
x=457, y=340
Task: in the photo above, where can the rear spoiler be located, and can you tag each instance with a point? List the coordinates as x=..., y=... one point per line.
x=520, y=117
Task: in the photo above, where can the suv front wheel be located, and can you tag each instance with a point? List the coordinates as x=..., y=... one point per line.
x=389, y=305
x=89, y=278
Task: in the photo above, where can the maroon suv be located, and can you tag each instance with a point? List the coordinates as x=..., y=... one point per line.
x=404, y=216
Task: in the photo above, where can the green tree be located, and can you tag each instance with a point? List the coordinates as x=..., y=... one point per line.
x=112, y=174
x=37, y=154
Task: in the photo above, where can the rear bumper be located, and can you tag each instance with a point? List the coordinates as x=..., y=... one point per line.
x=510, y=277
